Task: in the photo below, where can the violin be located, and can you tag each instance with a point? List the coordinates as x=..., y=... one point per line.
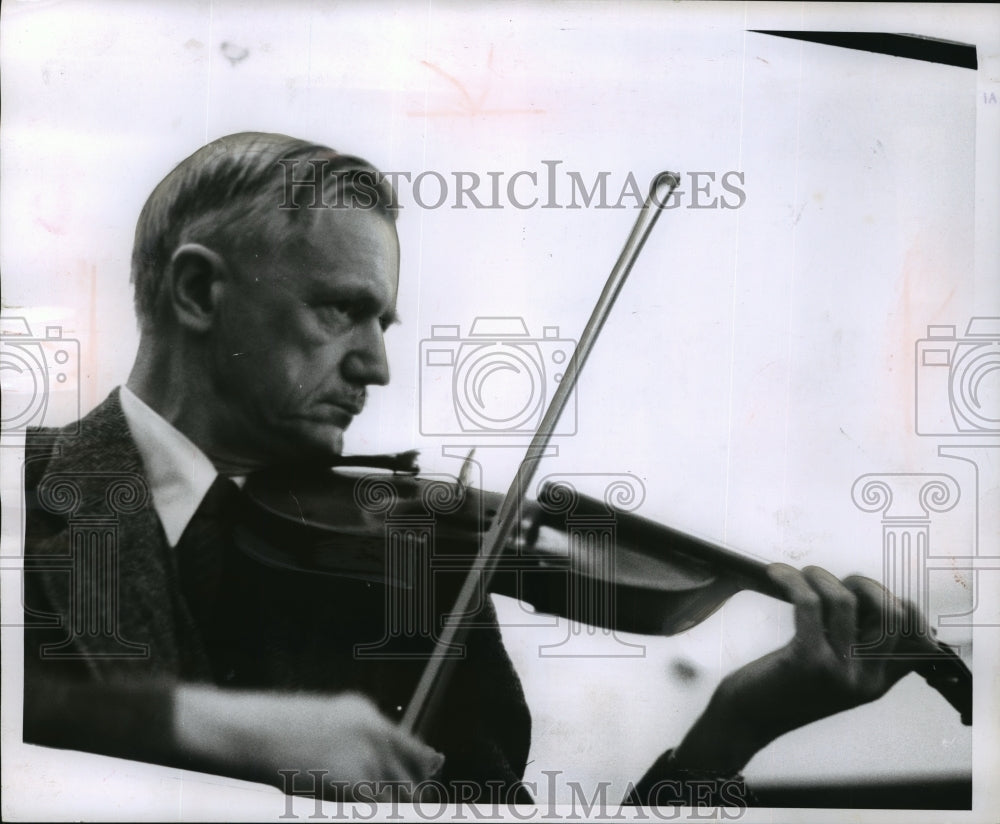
x=657, y=580
x=570, y=555
x=629, y=573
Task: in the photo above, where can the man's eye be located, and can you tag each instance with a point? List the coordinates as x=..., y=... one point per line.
x=334, y=311
x=351, y=312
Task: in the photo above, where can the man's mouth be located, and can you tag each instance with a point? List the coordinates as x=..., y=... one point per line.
x=344, y=411
x=352, y=406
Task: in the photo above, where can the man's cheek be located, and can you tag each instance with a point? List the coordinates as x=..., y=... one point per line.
x=299, y=388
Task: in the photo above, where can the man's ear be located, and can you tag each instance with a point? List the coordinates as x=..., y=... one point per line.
x=195, y=277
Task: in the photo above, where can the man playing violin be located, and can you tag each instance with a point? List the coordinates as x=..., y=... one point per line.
x=262, y=325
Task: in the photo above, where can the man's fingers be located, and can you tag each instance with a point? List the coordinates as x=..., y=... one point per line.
x=415, y=759
x=878, y=613
x=884, y=615
x=808, y=606
x=840, y=610
x=844, y=613
x=396, y=755
x=406, y=762
x=826, y=610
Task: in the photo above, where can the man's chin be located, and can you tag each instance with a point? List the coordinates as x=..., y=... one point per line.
x=326, y=446
x=317, y=444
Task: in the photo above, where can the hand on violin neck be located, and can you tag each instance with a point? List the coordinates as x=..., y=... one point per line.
x=817, y=674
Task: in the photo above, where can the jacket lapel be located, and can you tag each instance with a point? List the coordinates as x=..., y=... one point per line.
x=117, y=557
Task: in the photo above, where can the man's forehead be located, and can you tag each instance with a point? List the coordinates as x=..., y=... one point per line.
x=356, y=247
x=325, y=231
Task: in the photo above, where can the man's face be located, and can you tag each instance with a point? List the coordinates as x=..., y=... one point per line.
x=300, y=335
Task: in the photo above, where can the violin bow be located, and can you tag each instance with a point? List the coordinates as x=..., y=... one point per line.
x=430, y=687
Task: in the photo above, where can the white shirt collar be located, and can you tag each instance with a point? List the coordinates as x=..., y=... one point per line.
x=178, y=472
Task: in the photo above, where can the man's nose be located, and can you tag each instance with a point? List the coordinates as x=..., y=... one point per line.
x=366, y=362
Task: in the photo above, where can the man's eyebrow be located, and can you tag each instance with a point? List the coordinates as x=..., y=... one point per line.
x=359, y=294
x=362, y=299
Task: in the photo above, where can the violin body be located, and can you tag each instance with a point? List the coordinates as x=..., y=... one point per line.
x=601, y=567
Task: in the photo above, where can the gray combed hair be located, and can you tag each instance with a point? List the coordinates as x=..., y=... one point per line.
x=227, y=194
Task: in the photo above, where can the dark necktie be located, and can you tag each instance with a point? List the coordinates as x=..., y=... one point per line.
x=203, y=552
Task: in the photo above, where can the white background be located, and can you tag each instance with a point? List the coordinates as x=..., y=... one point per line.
x=759, y=361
